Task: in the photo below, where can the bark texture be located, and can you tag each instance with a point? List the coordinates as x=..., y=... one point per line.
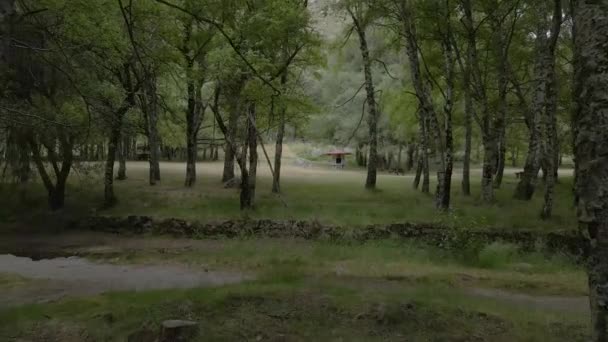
x=427, y=110
x=590, y=119
x=194, y=117
x=544, y=81
x=278, y=154
x=116, y=127
x=479, y=94
x=551, y=143
x=468, y=124
x=123, y=152
x=231, y=131
x=372, y=117
x=444, y=177
x=195, y=64
x=108, y=193
x=60, y=162
x=252, y=141
x=150, y=106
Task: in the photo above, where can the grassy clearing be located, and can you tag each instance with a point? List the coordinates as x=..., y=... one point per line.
x=322, y=291
x=327, y=196
x=289, y=311
x=499, y=266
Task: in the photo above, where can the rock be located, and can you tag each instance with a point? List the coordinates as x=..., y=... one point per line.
x=178, y=331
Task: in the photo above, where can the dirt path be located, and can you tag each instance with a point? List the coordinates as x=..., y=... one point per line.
x=553, y=303
x=52, y=276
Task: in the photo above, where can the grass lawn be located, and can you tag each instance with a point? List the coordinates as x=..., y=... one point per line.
x=318, y=291
x=303, y=290
x=325, y=195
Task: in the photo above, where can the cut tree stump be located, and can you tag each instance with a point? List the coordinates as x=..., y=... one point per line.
x=178, y=331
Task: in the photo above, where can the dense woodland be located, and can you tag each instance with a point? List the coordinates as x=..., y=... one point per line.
x=428, y=87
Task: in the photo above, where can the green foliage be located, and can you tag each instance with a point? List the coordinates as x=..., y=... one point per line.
x=497, y=255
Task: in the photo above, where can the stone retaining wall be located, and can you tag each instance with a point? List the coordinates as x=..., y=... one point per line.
x=439, y=236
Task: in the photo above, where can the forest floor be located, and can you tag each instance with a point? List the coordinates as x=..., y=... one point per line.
x=98, y=287
x=310, y=191
x=67, y=286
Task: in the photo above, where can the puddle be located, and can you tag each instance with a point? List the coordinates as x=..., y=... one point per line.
x=39, y=255
x=75, y=276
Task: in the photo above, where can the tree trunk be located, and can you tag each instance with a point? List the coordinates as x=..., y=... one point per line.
x=478, y=91
x=55, y=191
x=501, y=160
x=109, y=199
x=151, y=113
x=229, y=157
x=191, y=154
x=399, y=157
x=551, y=145
x=489, y=158
x=245, y=196
x=278, y=154
x=56, y=196
x=426, y=174
x=372, y=118
x=427, y=111
x=99, y=153
x=276, y=182
x=252, y=140
x=590, y=116
x=411, y=149
x=24, y=168
x=123, y=151
x=544, y=71
x=419, y=168
x=192, y=125
x=444, y=176
x=469, y=108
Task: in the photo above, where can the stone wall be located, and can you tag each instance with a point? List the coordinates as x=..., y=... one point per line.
x=443, y=237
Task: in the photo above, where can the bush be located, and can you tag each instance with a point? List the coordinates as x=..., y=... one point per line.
x=497, y=254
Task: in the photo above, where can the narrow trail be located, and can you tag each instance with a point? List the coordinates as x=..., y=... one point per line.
x=578, y=304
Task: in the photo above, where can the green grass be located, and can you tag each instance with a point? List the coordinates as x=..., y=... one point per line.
x=495, y=266
x=331, y=197
x=290, y=311
x=323, y=291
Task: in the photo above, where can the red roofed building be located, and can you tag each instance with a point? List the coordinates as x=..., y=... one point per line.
x=338, y=158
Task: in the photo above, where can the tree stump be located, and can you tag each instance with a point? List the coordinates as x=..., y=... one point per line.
x=178, y=331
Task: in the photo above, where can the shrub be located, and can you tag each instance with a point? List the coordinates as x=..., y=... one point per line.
x=497, y=254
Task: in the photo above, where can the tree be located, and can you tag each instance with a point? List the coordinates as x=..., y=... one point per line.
x=590, y=118
x=439, y=142
x=543, y=104
x=550, y=150
x=361, y=15
x=194, y=47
